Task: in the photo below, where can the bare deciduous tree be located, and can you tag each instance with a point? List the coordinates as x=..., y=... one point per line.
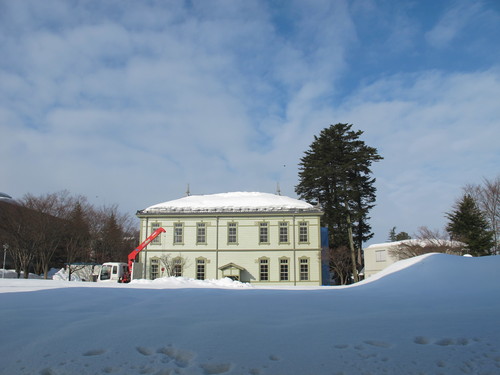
x=427, y=241
x=49, y=213
x=340, y=262
x=16, y=223
x=174, y=265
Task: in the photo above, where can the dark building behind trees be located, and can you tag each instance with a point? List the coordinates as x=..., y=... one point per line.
x=55, y=229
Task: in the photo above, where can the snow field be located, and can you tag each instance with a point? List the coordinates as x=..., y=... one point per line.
x=436, y=314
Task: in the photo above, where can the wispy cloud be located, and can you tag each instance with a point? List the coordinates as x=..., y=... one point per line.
x=130, y=101
x=455, y=21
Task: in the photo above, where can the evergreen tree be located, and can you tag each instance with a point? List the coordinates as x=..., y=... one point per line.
x=468, y=225
x=77, y=241
x=401, y=236
x=111, y=241
x=335, y=173
x=78, y=236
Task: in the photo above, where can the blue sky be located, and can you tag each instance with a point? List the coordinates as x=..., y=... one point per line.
x=127, y=102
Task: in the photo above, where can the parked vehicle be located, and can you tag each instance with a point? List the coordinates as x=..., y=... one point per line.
x=121, y=272
x=113, y=271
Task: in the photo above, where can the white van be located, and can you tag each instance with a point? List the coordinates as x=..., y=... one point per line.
x=113, y=271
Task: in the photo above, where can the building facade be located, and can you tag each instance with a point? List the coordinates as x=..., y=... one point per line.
x=250, y=237
x=378, y=257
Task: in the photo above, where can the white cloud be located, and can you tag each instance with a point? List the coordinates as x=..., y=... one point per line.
x=436, y=134
x=452, y=23
x=130, y=102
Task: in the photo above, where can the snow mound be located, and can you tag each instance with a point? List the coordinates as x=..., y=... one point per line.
x=396, y=267
x=62, y=275
x=434, y=272
x=434, y=314
x=183, y=282
x=12, y=274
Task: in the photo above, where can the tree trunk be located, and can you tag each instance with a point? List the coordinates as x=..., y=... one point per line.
x=351, y=245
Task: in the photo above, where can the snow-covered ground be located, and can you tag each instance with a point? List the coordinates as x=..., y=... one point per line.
x=437, y=314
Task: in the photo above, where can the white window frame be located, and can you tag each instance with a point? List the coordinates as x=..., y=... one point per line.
x=178, y=237
x=232, y=238
x=178, y=269
x=263, y=233
x=154, y=268
x=201, y=233
x=154, y=227
x=284, y=269
x=380, y=255
x=201, y=269
x=304, y=269
x=264, y=268
x=283, y=232
x=303, y=232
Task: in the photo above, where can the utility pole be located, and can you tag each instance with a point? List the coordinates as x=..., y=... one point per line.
x=5, y=247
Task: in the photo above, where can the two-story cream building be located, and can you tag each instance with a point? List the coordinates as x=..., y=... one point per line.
x=247, y=236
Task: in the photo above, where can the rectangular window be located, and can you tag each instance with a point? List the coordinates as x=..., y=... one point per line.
x=263, y=233
x=264, y=270
x=201, y=233
x=283, y=232
x=200, y=269
x=380, y=255
x=154, y=271
x=283, y=269
x=178, y=233
x=177, y=267
x=303, y=232
x=157, y=240
x=304, y=269
x=232, y=233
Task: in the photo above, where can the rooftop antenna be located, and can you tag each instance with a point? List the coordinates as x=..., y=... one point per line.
x=188, y=192
x=278, y=190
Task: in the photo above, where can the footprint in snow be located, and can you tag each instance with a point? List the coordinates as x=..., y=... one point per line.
x=214, y=369
x=448, y=342
x=441, y=364
x=144, y=351
x=94, y=352
x=378, y=344
x=47, y=371
x=181, y=357
x=421, y=340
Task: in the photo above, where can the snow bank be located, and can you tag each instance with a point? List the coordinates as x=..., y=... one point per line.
x=396, y=267
x=12, y=274
x=62, y=275
x=435, y=314
x=183, y=282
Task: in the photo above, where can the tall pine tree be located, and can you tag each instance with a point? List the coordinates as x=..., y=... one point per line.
x=335, y=173
x=468, y=225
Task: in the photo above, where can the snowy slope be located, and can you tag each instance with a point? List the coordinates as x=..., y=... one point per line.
x=436, y=314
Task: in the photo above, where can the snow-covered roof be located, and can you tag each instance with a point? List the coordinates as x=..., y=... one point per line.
x=231, y=202
x=5, y=196
x=417, y=242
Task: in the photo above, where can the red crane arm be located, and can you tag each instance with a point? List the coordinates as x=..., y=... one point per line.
x=147, y=241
